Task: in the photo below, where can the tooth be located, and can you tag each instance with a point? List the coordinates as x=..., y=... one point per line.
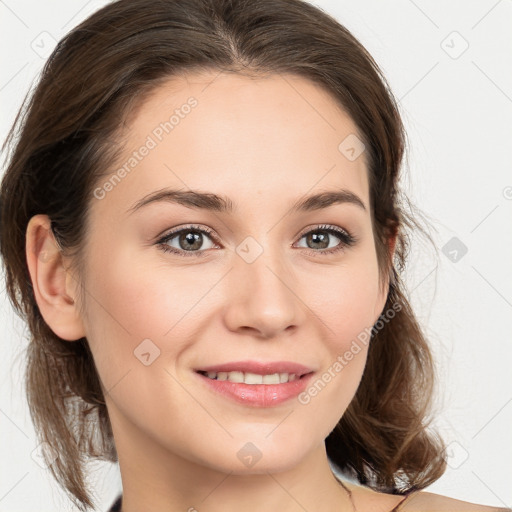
x=271, y=379
x=253, y=378
x=236, y=376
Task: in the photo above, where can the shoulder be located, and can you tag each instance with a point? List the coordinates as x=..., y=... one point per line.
x=426, y=501
x=422, y=501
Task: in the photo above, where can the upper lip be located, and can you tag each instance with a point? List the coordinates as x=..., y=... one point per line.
x=259, y=368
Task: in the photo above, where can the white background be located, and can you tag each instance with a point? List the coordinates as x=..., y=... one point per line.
x=457, y=107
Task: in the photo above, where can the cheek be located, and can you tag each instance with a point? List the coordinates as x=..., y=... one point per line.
x=143, y=295
x=135, y=308
x=345, y=297
x=141, y=321
x=348, y=315
x=347, y=302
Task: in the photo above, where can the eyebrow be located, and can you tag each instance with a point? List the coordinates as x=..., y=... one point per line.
x=223, y=204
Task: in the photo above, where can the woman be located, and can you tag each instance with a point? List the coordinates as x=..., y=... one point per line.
x=201, y=224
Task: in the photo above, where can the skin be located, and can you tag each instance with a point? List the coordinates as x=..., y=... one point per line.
x=264, y=144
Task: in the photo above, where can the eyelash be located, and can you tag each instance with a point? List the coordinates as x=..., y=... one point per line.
x=347, y=240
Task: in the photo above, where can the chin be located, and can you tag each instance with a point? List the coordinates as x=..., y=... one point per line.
x=260, y=454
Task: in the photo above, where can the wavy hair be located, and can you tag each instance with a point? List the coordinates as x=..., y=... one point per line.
x=66, y=132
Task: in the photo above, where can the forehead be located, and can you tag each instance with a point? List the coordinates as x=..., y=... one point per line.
x=274, y=137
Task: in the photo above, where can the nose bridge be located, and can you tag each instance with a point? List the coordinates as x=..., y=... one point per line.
x=262, y=295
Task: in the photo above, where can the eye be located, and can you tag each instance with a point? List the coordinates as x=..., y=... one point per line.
x=188, y=241
x=323, y=238
x=191, y=240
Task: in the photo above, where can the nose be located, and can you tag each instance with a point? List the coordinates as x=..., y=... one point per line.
x=261, y=299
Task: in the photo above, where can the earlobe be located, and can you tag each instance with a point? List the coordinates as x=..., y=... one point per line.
x=51, y=280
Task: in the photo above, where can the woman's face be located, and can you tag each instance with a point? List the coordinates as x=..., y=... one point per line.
x=252, y=285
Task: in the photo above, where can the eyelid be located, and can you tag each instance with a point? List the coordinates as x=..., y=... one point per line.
x=323, y=227
x=188, y=227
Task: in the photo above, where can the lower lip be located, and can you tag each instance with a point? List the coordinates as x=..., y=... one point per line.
x=258, y=395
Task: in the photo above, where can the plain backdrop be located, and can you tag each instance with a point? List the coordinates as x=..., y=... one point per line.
x=449, y=65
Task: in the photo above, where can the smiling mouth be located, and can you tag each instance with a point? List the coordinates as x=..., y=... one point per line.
x=256, y=383
x=252, y=378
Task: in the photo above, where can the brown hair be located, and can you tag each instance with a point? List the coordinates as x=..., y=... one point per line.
x=65, y=134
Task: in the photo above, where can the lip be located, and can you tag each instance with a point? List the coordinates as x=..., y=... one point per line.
x=258, y=395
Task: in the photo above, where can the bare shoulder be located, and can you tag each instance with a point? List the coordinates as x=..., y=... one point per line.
x=429, y=502
x=422, y=501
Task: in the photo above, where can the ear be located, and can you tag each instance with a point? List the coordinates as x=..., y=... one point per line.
x=54, y=286
x=392, y=244
x=383, y=294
